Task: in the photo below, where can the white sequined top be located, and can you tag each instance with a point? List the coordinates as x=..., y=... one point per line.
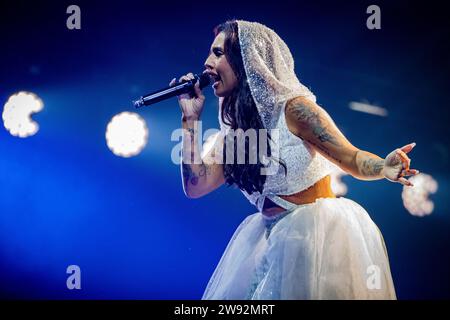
x=304, y=167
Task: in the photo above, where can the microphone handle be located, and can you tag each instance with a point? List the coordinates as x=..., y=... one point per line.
x=169, y=92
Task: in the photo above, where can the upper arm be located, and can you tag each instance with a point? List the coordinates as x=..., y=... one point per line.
x=310, y=122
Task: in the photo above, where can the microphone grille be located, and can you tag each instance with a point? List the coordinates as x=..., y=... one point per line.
x=205, y=80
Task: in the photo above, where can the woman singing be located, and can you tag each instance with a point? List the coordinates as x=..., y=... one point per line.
x=303, y=243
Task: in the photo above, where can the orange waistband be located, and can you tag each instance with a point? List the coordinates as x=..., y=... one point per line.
x=321, y=189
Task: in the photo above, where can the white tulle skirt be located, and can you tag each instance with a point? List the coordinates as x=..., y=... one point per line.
x=329, y=249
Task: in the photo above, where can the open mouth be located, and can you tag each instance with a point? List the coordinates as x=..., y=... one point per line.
x=216, y=80
x=216, y=84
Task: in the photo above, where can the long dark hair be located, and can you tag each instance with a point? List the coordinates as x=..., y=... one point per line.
x=239, y=111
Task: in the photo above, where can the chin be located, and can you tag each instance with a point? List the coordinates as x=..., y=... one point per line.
x=218, y=95
x=221, y=93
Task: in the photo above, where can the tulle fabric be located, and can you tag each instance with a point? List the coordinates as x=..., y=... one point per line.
x=330, y=249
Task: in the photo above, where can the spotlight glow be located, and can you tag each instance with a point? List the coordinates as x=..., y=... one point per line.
x=415, y=199
x=126, y=134
x=368, y=108
x=17, y=114
x=337, y=185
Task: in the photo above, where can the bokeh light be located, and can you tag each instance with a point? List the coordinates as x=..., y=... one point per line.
x=415, y=199
x=126, y=134
x=337, y=185
x=17, y=114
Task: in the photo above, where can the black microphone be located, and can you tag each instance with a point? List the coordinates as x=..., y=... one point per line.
x=176, y=90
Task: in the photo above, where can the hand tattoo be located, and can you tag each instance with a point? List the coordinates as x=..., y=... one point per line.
x=372, y=167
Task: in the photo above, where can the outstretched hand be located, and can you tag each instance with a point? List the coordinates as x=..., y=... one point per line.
x=396, y=165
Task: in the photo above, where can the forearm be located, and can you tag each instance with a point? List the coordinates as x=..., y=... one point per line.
x=367, y=166
x=194, y=171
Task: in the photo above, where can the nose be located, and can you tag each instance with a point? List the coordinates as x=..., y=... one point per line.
x=209, y=63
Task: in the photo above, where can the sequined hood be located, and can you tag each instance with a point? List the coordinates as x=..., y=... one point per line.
x=269, y=67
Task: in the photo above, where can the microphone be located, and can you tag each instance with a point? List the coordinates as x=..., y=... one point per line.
x=176, y=90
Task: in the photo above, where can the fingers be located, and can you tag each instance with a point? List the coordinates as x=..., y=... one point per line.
x=405, y=173
x=405, y=182
x=406, y=162
x=404, y=158
x=197, y=89
x=186, y=77
x=407, y=148
x=410, y=172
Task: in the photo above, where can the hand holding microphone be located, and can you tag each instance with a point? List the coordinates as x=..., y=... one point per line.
x=191, y=105
x=189, y=91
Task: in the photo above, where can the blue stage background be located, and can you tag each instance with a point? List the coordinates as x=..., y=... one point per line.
x=66, y=199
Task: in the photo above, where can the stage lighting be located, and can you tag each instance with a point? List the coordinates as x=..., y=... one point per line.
x=368, y=108
x=415, y=199
x=17, y=114
x=338, y=187
x=126, y=134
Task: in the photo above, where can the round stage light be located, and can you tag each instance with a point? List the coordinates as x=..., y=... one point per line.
x=17, y=114
x=126, y=134
x=415, y=199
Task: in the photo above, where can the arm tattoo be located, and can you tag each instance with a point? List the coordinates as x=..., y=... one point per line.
x=191, y=137
x=193, y=171
x=191, y=133
x=204, y=170
x=189, y=175
x=305, y=114
x=315, y=122
x=325, y=150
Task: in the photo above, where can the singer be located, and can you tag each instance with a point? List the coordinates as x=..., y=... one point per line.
x=303, y=242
